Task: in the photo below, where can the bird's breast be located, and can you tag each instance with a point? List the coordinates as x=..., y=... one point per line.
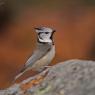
x=45, y=60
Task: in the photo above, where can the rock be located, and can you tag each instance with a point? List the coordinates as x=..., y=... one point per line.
x=73, y=77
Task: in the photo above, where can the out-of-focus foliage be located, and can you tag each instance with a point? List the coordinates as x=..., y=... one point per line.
x=89, y=2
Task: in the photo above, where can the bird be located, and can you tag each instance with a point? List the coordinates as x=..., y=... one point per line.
x=43, y=54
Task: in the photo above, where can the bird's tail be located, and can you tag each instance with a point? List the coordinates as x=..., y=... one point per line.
x=17, y=76
x=20, y=74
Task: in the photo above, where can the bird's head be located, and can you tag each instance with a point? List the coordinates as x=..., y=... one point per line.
x=45, y=34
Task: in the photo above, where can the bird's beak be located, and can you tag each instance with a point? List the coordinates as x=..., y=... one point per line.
x=36, y=28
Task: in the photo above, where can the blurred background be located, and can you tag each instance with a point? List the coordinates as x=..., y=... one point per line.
x=74, y=21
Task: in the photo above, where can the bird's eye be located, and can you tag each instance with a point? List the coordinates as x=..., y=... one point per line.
x=46, y=32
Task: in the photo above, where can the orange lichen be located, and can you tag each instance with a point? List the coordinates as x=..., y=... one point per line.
x=32, y=83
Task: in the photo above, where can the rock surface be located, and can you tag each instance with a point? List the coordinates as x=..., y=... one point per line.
x=73, y=77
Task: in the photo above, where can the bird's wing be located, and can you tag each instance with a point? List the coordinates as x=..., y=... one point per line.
x=35, y=56
x=39, y=53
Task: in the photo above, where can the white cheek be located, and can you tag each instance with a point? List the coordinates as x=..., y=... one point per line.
x=48, y=36
x=43, y=36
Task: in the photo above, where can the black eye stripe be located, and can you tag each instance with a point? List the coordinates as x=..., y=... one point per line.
x=43, y=33
x=46, y=32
